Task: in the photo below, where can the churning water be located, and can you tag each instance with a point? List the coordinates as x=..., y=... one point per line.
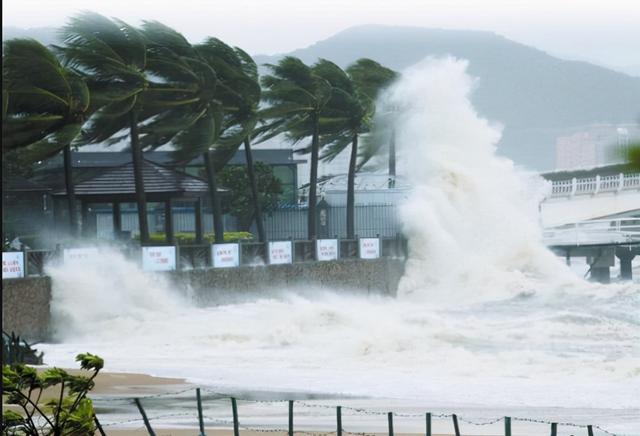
x=485, y=316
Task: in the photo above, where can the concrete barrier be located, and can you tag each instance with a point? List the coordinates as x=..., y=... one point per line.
x=378, y=276
x=26, y=307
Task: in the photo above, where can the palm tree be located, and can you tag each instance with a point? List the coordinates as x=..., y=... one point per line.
x=251, y=95
x=48, y=106
x=296, y=97
x=222, y=85
x=238, y=92
x=112, y=56
x=370, y=78
x=347, y=114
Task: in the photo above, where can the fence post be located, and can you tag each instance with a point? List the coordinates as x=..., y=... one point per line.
x=390, y=417
x=290, y=417
x=178, y=258
x=554, y=429
x=590, y=430
x=339, y=419
x=507, y=426
x=428, y=424
x=98, y=426
x=455, y=424
x=25, y=260
x=144, y=417
x=200, y=419
x=236, y=423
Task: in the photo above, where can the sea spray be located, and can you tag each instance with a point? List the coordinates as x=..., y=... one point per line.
x=471, y=217
x=97, y=292
x=486, y=316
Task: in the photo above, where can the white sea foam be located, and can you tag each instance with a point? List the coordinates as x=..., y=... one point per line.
x=486, y=315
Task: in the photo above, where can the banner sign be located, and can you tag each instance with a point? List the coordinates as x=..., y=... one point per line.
x=225, y=255
x=158, y=258
x=280, y=252
x=327, y=249
x=369, y=248
x=12, y=265
x=79, y=254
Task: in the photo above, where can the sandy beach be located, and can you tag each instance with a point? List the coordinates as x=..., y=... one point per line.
x=131, y=385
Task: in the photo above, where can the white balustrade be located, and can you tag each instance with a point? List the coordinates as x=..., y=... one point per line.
x=595, y=185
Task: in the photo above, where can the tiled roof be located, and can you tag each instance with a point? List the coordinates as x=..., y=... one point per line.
x=157, y=179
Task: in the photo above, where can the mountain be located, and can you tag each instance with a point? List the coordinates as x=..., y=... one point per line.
x=46, y=35
x=537, y=97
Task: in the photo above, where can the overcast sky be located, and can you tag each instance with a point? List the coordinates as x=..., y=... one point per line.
x=602, y=31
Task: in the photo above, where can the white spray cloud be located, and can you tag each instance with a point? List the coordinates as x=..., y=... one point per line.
x=471, y=218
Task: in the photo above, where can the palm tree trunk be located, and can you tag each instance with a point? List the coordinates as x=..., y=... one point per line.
x=351, y=189
x=218, y=225
x=71, y=195
x=313, y=179
x=392, y=160
x=138, y=176
x=257, y=210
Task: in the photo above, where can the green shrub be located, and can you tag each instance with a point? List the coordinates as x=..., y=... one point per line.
x=68, y=413
x=185, y=238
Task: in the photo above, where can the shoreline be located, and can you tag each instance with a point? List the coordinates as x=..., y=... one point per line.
x=114, y=391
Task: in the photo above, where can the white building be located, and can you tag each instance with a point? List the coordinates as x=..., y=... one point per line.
x=594, y=145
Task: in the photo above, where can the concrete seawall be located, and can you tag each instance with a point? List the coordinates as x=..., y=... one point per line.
x=379, y=276
x=26, y=302
x=26, y=307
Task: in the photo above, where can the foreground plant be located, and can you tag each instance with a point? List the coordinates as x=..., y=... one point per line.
x=69, y=412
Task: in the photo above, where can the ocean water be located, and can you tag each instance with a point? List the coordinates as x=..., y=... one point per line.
x=487, y=320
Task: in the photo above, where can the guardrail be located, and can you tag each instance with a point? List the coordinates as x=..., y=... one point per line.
x=595, y=185
x=161, y=257
x=595, y=232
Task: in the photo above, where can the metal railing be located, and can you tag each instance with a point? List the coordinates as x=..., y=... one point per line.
x=251, y=253
x=595, y=185
x=595, y=232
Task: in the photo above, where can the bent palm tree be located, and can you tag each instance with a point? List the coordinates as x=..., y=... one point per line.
x=348, y=114
x=48, y=106
x=370, y=78
x=296, y=96
x=251, y=95
x=220, y=114
x=112, y=56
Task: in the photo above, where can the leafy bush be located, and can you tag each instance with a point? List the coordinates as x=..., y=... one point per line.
x=17, y=350
x=68, y=413
x=185, y=238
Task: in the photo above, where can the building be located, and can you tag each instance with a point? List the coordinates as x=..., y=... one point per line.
x=88, y=164
x=594, y=145
x=36, y=205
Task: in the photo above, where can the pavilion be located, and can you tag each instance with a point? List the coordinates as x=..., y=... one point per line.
x=162, y=184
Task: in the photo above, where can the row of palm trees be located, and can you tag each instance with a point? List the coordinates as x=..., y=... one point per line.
x=108, y=81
